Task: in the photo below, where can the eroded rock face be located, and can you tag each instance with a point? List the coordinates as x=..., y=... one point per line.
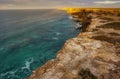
x=77, y=54
x=88, y=56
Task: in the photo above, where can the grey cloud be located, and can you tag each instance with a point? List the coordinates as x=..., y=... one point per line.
x=56, y=3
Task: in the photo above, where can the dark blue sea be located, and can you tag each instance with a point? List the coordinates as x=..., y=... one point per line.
x=29, y=38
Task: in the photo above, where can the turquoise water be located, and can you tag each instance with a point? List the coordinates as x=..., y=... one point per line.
x=29, y=38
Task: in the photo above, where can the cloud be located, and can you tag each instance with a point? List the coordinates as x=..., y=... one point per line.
x=40, y=3
x=56, y=3
x=107, y=2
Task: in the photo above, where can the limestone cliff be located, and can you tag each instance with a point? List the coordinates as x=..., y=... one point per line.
x=94, y=54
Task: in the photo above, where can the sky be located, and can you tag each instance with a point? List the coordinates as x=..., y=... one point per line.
x=39, y=4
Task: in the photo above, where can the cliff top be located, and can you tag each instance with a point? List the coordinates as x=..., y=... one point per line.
x=93, y=54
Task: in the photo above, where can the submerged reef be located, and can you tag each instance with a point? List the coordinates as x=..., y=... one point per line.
x=93, y=54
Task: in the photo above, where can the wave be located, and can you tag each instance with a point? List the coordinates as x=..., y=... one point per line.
x=27, y=64
x=58, y=33
x=1, y=48
x=70, y=17
x=10, y=73
x=55, y=38
x=13, y=74
x=78, y=25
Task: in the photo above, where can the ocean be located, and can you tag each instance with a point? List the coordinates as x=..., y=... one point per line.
x=29, y=38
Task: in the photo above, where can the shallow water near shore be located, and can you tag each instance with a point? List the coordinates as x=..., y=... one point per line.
x=29, y=38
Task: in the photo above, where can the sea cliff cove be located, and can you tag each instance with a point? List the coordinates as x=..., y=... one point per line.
x=93, y=54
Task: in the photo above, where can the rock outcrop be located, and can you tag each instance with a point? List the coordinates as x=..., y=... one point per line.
x=94, y=54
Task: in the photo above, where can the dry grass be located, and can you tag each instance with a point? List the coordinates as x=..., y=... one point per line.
x=113, y=25
x=107, y=39
x=114, y=34
x=106, y=18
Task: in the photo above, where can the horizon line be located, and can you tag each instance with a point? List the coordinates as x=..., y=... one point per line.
x=60, y=8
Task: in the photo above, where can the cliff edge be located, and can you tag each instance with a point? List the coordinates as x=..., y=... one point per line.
x=93, y=54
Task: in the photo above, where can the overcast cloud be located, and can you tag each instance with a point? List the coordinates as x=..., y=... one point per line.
x=9, y=4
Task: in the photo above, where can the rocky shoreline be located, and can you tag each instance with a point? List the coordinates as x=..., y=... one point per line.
x=93, y=54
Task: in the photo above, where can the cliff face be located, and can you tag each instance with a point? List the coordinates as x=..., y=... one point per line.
x=94, y=54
